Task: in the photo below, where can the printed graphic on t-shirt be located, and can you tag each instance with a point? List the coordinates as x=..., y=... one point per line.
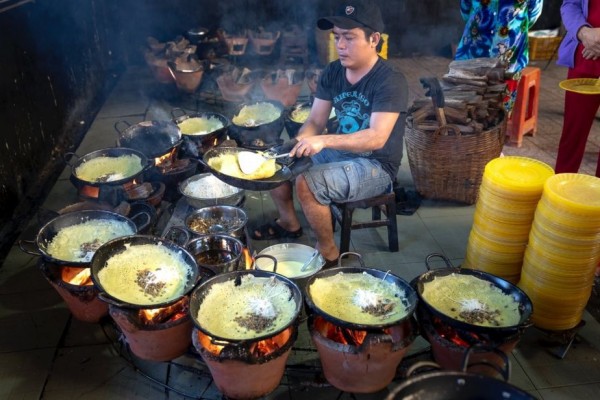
x=352, y=112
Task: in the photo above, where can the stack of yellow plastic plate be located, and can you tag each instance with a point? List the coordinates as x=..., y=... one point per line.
x=563, y=250
x=510, y=190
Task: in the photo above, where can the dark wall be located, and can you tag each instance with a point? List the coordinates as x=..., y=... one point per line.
x=56, y=57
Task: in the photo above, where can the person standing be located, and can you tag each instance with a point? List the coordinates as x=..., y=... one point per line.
x=362, y=158
x=580, y=51
x=499, y=28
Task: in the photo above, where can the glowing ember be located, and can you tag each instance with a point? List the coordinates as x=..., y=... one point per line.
x=339, y=334
x=172, y=313
x=76, y=276
x=257, y=349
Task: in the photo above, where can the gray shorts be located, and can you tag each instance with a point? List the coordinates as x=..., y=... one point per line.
x=338, y=176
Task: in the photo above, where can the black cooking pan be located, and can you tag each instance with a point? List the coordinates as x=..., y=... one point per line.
x=258, y=137
x=74, y=161
x=525, y=305
x=116, y=246
x=199, y=294
x=456, y=385
x=198, y=144
x=153, y=138
x=410, y=301
x=285, y=173
x=39, y=246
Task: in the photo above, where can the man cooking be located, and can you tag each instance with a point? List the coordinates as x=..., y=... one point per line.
x=361, y=159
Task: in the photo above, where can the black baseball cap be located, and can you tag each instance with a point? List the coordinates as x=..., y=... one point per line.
x=352, y=14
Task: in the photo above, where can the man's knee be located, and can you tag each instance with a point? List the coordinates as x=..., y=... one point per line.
x=303, y=190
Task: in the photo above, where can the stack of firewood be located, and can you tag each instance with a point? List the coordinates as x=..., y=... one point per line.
x=473, y=92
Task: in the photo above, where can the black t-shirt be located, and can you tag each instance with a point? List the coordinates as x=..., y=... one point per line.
x=382, y=89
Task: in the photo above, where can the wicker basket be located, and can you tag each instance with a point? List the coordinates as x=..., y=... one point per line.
x=543, y=48
x=449, y=166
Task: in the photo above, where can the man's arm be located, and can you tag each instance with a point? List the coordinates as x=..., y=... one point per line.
x=372, y=138
x=317, y=119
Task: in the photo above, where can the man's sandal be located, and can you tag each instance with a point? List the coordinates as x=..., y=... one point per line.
x=272, y=230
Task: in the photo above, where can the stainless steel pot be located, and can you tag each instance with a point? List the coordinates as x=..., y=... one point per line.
x=226, y=220
x=218, y=253
x=293, y=260
x=230, y=195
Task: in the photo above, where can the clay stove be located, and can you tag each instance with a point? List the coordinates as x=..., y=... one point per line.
x=76, y=288
x=160, y=334
x=449, y=345
x=360, y=361
x=246, y=369
x=169, y=170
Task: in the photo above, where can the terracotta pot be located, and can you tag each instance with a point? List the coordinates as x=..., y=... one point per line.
x=243, y=379
x=368, y=368
x=82, y=301
x=157, y=342
x=186, y=80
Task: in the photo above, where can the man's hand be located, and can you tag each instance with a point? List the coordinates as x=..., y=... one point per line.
x=309, y=146
x=590, y=38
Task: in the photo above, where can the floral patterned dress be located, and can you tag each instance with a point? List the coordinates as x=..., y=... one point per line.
x=499, y=28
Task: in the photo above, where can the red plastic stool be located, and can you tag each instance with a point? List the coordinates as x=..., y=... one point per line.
x=525, y=111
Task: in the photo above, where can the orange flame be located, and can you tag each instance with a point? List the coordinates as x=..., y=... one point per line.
x=248, y=260
x=90, y=191
x=257, y=349
x=76, y=276
x=338, y=334
x=166, y=159
x=451, y=334
x=165, y=314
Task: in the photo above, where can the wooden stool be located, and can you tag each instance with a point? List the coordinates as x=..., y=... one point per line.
x=525, y=111
x=342, y=212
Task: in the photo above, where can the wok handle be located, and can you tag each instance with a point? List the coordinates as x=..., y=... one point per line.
x=141, y=224
x=149, y=164
x=480, y=347
x=438, y=255
x=270, y=257
x=350, y=253
x=29, y=247
x=116, y=126
x=175, y=113
x=169, y=234
x=299, y=165
x=420, y=365
x=68, y=158
x=107, y=299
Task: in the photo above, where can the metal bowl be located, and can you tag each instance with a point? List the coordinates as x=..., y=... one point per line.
x=291, y=257
x=214, y=191
x=226, y=220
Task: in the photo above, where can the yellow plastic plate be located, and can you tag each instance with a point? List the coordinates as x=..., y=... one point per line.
x=579, y=193
x=581, y=85
x=518, y=173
